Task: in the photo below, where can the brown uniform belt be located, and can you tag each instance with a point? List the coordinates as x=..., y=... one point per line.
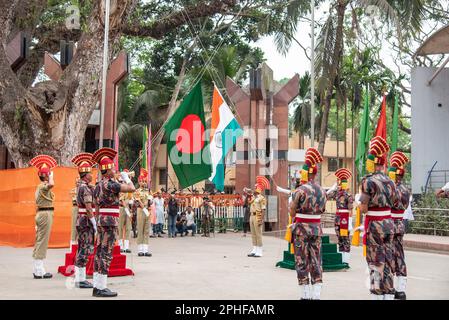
x=45, y=209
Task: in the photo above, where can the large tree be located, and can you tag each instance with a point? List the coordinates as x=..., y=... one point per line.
x=51, y=116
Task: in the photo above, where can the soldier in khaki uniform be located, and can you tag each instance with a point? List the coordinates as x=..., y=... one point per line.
x=141, y=196
x=124, y=227
x=73, y=233
x=257, y=213
x=44, y=215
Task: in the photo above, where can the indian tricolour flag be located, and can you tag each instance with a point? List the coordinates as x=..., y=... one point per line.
x=224, y=133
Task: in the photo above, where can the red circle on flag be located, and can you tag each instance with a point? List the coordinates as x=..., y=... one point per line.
x=189, y=138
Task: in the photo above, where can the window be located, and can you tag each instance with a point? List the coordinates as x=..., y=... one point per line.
x=333, y=164
x=162, y=176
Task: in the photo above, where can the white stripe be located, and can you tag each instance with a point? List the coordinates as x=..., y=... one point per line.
x=397, y=215
x=109, y=210
x=342, y=211
x=84, y=210
x=216, y=152
x=308, y=216
x=379, y=213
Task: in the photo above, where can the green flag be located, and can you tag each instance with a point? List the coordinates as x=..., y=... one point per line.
x=144, y=144
x=364, y=138
x=394, y=136
x=187, y=143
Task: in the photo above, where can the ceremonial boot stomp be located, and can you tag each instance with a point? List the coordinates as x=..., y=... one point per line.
x=100, y=287
x=80, y=279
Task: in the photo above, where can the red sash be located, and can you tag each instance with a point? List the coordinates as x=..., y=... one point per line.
x=369, y=218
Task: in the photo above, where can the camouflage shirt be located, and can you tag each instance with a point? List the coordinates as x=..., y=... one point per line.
x=107, y=194
x=84, y=194
x=343, y=199
x=310, y=198
x=402, y=197
x=378, y=190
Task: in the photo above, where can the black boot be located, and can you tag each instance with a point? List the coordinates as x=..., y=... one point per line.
x=400, y=296
x=140, y=254
x=47, y=275
x=105, y=293
x=147, y=254
x=84, y=285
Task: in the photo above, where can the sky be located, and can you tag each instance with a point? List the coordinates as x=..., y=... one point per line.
x=295, y=60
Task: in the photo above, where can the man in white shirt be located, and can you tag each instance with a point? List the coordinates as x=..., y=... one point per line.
x=191, y=225
x=160, y=216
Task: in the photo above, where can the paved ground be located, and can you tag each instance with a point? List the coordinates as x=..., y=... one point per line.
x=214, y=268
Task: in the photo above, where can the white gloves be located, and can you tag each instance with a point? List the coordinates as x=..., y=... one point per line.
x=446, y=187
x=360, y=228
x=147, y=213
x=128, y=212
x=350, y=224
x=131, y=202
x=282, y=190
x=357, y=200
x=94, y=223
x=51, y=174
x=332, y=189
x=125, y=177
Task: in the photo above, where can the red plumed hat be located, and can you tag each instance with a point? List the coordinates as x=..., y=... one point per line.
x=105, y=158
x=84, y=162
x=44, y=163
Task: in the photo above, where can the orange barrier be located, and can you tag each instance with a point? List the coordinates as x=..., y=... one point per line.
x=18, y=209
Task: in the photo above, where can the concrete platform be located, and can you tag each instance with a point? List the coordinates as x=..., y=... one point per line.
x=416, y=242
x=214, y=268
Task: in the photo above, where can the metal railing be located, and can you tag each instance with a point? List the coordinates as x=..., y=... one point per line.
x=438, y=178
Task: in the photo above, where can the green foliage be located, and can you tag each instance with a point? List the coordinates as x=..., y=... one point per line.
x=433, y=221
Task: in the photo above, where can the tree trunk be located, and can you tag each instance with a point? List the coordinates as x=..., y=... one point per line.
x=337, y=53
x=52, y=117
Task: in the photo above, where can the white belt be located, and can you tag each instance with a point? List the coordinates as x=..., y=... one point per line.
x=342, y=211
x=379, y=213
x=84, y=210
x=109, y=210
x=397, y=215
x=308, y=216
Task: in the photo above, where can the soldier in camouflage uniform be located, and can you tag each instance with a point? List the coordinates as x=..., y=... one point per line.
x=86, y=225
x=344, y=200
x=396, y=173
x=106, y=197
x=309, y=202
x=142, y=197
x=44, y=215
x=378, y=195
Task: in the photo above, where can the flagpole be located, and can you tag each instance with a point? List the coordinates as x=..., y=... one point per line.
x=312, y=78
x=105, y=70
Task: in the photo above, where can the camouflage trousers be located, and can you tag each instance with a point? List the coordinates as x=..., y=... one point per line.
x=344, y=245
x=379, y=255
x=400, y=269
x=85, y=245
x=307, y=247
x=105, y=245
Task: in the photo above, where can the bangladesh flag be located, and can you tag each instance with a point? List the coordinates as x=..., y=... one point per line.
x=187, y=143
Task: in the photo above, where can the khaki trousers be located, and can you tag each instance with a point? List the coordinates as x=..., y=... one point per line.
x=44, y=221
x=256, y=231
x=74, y=233
x=143, y=227
x=124, y=225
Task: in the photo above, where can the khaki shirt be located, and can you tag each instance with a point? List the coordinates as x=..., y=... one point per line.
x=258, y=203
x=143, y=196
x=44, y=196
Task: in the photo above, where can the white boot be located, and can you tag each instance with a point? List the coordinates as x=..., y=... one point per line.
x=140, y=248
x=120, y=243
x=304, y=292
x=126, y=245
x=95, y=280
x=389, y=297
x=36, y=268
x=253, y=252
x=101, y=281
x=258, y=252
x=401, y=284
x=144, y=248
x=377, y=296
x=316, y=291
x=77, y=274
